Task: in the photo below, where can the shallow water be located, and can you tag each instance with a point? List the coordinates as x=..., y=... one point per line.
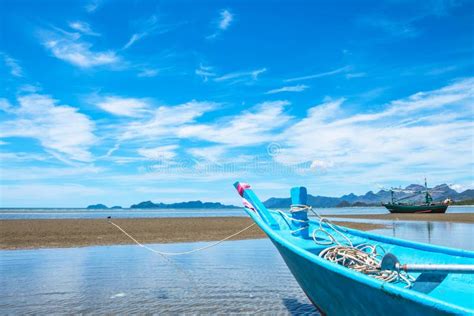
x=55, y=213
x=240, y=277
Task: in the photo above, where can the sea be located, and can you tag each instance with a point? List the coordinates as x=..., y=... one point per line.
x=235, y=277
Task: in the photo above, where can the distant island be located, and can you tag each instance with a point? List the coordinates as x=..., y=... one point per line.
x=102, y=206
x=179, y=205
x=190, y=204
x=97, y=207
x=441, y=192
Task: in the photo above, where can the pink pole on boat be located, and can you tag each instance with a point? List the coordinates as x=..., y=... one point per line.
x=241, y=187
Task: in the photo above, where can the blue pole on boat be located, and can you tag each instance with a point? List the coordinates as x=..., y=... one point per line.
x=299, y=196
x=247, y=193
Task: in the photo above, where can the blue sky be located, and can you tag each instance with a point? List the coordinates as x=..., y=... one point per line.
x=123, y=101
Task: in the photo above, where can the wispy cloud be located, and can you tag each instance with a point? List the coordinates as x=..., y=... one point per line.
x=166, y=152
x=396, y=28
x=83, y=27
x=134, y=38
x=208, y=72
x=72, y=49
x=254, y=126
x=297, y=88
x=356, y=75
x=40, y=117
x=321, y=74
x=93, y=5
x=441, y=70
x=407, y=25
x=165, y=121
x=205, y=72
x=241, y=75
x=5, y=105
x=13, y=65
x=147, y=27
x=120, y=106
x=148, y=73
x=208, y=154
x=225, y=19
x=29, y=88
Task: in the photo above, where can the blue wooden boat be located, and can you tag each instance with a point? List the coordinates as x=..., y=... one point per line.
x=442, y=279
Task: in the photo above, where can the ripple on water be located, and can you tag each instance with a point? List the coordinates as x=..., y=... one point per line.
x=237, y=277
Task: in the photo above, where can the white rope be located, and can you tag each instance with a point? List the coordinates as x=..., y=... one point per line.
x=363, y=258
x=162, y=253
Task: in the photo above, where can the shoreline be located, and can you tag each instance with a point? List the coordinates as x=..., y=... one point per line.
x=67, y=233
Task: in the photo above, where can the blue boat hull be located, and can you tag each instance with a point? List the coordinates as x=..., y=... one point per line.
x=337, y=290
x=334, y=294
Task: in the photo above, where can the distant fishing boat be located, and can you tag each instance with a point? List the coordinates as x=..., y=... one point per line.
x=396, y=206
x=349, y=272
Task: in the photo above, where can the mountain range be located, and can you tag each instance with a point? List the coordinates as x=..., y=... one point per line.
x=150, y=204
x=439, y=193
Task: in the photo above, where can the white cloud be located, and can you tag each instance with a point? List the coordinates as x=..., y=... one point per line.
x=13, y=66
x=135, y=37
x=70, y=48
x=165, y=120
x=92, y=6
x=123, y=106
x=226, y=19
x=297, y=88
x=59, y=128
x=167, y=152
x=320, y=164
x=243, y=74
x=5, y=105
x=426, y=132
x=254, y=126
x=208, y=154
x=83, y=27
x=148, y=73
x=320, y=75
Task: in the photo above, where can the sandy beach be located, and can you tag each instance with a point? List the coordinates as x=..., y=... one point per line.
x=39, y=233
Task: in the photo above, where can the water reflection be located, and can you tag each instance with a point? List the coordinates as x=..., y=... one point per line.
x=455, y=235
x=244, y=277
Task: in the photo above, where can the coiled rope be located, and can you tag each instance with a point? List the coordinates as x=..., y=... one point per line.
x=163, y=253
x=363, y=258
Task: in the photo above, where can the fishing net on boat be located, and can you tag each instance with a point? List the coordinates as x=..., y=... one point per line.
x=364, y=258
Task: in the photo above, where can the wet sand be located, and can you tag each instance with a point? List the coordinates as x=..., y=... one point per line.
x=449, y=217
x=39, y=233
